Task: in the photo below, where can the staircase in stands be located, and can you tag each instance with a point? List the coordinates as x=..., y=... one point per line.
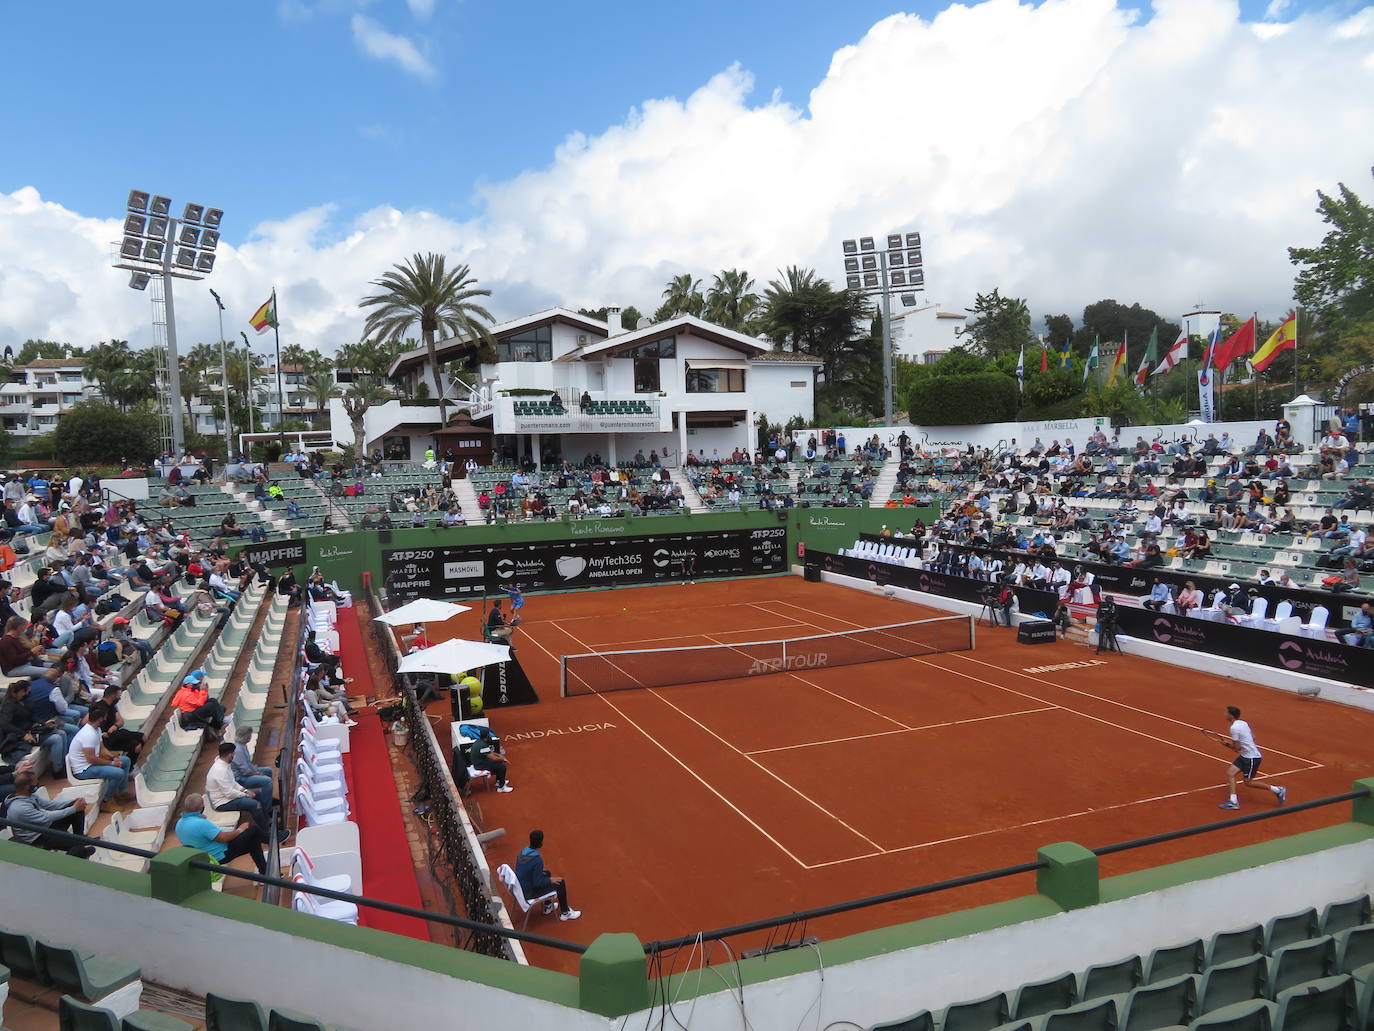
x=689, y=492
x=467, y=499
x=885, y=481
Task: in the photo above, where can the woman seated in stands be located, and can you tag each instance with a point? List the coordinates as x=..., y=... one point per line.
x=1189, y=598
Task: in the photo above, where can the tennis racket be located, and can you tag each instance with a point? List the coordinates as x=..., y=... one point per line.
x=1219, y=738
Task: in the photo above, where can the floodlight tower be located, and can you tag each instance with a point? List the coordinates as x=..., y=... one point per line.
x=870, y=271
x=156, y=244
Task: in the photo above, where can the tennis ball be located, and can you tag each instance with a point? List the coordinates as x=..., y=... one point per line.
x=625, y=610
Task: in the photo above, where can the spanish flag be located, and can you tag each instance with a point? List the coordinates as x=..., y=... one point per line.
x=1285, y=338
x=266, y=317
x=1118, y=363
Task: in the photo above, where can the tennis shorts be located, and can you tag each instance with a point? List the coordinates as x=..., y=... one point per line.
x=1247, y=767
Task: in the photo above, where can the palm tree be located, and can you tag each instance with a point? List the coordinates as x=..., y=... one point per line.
x=731, y=300
x=192, y=386
x=787, y=306
x=423, y=290
x=321, y=387
x=361, y=395
x=682, y=296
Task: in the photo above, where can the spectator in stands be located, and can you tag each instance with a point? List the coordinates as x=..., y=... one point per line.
x=1236, y=602
x=195, y=831
x=197, y=710
x=1360, y=633
x=1189, y=598
x=20, y=733
x=28, y=808
x=226, y=795
x=20, y=654
x=1359, y=495
x=327, y=702
x=118, y=738
x=1159, y=596
x=246, y=773
x=91, y=760
x=1348, y=579
x=535, y=880
x=122, y=633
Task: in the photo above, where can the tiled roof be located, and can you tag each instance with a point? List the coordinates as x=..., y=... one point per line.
x=797, y=357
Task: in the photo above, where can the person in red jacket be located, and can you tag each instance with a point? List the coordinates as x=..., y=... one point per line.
x=198, y=710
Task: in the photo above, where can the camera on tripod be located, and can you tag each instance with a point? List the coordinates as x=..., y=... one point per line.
x=1106, y=625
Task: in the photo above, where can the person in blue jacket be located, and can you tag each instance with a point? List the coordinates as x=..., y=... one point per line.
x=535, y=880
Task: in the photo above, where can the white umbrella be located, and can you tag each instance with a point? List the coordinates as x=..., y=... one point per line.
x=454, y=657
x=422, y=610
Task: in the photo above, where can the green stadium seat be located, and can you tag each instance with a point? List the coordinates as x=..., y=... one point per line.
x=85, y=975
x=1355, y=948
x=1171, y=1003
x=1040, y=997
x=977, y=1014
x=19, y=952
x=150, y=1020
x=1092, y=1015
x=1342, y=916
x=74, y=1015
x=1301, y=961
x=225, y=1014
x=1326, y=1004
x=1105, y=979
x=922, y=1021
x=1256, y=1015
x=1230, y=945
x=1175, y=960
x=1293, y=927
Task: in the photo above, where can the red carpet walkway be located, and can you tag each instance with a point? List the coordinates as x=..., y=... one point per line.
x=388, y=871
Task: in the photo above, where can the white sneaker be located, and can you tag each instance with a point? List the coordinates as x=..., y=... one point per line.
x=351, y=723
x=550, y=908
x=570, y=914
x=506, y=788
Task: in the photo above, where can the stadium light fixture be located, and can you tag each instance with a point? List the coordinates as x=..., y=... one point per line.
x=873, y=270
x=152, y=240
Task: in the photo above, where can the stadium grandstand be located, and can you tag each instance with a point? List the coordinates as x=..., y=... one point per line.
x=923, y=728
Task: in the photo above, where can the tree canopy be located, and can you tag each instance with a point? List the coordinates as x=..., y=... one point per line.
x=1000, y=325
x=96, y=433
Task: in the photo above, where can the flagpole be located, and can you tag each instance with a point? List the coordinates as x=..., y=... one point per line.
x=281, y=415
x=1296, y=391
x=1254, y=374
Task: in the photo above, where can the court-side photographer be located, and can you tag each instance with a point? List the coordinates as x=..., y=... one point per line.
x=1106, y=625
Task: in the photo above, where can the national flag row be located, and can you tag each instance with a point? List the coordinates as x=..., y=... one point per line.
x=1220, y=353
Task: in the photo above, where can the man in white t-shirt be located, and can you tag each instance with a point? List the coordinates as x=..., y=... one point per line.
x=1241, y=740
x=89, y=759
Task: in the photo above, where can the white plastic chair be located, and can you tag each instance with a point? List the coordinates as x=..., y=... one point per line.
x=304, y=867
x=320, y=788
x=1317, y=627
x=1258, y=608
x=512, y=884
x=326, y=762
x=324, y=812
x=331, y=909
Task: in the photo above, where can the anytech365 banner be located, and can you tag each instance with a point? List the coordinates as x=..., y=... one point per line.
x=477, y=569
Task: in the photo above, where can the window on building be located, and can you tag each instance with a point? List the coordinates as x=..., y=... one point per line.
x=646, y=376
x=396, y=448
x=799, y=383
x=715, y=381
x=529, y=345
x=663, y=347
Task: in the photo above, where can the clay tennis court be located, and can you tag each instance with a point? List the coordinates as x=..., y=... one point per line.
x=682, y=808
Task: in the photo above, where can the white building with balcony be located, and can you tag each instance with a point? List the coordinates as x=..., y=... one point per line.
x=927, y=333
x=39, y=392
x=680, y=385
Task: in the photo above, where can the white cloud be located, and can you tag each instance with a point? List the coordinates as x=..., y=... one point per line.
x=1277, y=9
x=424, y=8
x=1064, y=152
x=376, y=42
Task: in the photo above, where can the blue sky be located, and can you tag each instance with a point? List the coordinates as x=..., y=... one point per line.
x=1062, y=151
x=272, y=108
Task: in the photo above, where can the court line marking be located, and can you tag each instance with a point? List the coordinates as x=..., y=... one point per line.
x=795, y=790
x=1062, y=687
x=696, y=776
x=825, y=690
x=949, y=840
x=617, y=646
x=1036, y=823
x=905, y=730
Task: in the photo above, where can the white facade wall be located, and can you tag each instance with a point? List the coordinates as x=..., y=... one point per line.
x=916, y=331
x=281, y=970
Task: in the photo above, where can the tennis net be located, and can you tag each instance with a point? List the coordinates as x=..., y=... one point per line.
x=600, y=672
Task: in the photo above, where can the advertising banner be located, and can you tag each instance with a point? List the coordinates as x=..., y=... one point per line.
x=475, y=570
x=1300, y=654
x=962, y=588
x=1134, y=581
x=275, y=554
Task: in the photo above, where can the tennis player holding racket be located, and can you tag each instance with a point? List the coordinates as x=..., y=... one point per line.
x=1241, y=740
